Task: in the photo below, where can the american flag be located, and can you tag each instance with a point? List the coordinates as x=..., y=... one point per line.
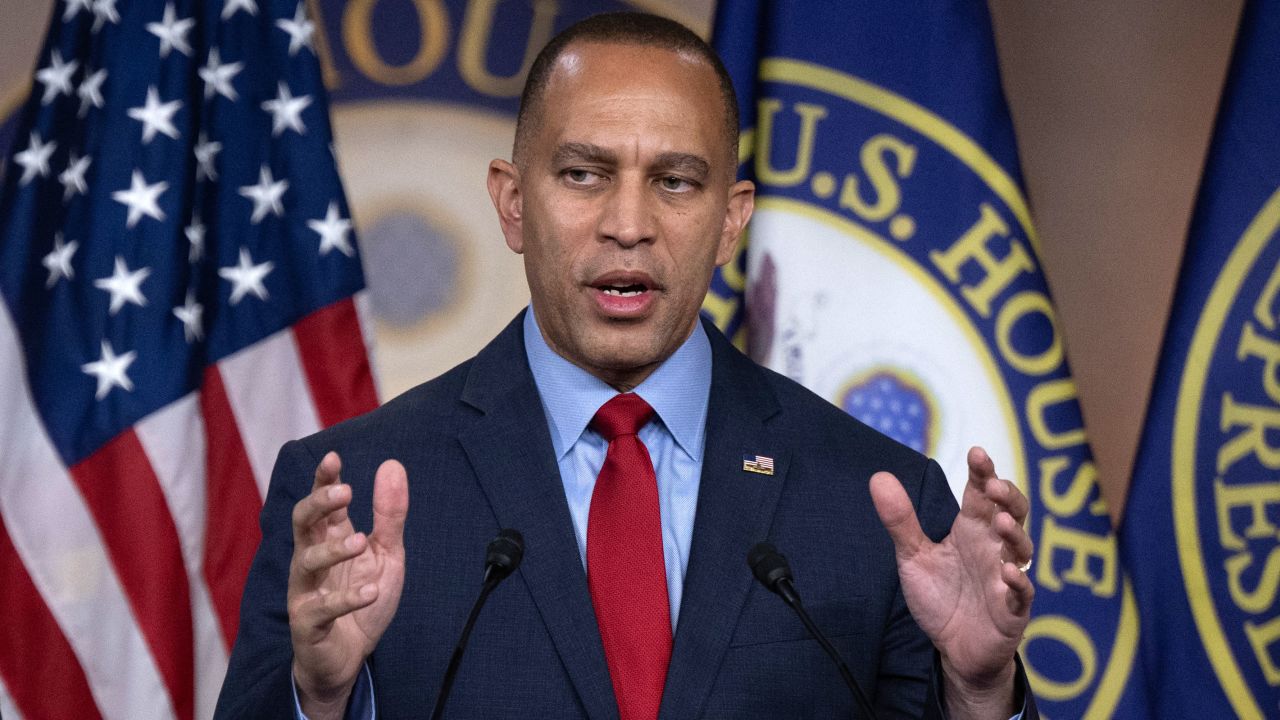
x=757, y=464
x=179, y=284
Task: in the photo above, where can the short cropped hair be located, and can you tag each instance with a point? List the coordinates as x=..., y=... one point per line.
x=623, y=28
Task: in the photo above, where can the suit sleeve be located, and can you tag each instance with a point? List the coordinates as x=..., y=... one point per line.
x=1026, y=711
x=259, y=681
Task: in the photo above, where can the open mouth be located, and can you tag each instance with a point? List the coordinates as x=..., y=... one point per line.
x=624, y=295
x=623, y=290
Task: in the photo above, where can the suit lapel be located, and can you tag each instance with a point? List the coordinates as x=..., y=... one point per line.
x=735, y=510
x=509, y=447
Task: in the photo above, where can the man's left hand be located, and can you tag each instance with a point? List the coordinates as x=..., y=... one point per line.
x=969, y=592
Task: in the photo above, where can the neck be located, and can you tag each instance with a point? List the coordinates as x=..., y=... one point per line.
x=626, y=383
x=622, y=379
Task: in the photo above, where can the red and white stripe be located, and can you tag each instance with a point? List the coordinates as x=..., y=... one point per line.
x=120, y=577
x=7, y=708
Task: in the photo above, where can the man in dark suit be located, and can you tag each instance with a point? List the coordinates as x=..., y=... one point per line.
x=622, y=198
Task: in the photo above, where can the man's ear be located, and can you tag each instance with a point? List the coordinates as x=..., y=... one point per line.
x=504, y=190
x=742, y=202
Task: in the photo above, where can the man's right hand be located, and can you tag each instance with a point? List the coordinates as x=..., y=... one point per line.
x=344, y=586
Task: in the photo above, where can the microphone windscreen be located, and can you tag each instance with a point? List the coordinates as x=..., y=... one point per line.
x=505, y=552
x=768, y=565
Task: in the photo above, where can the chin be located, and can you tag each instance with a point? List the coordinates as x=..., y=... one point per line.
x=625, y=356
x=626, y=361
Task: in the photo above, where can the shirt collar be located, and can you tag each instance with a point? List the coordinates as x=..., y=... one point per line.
x=678, y=390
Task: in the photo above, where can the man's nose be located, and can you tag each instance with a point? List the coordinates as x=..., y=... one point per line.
x=629, y=216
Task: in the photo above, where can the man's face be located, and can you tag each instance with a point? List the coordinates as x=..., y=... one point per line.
x=623, y=204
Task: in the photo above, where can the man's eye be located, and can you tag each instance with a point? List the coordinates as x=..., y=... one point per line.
x=579, y=176
x=672, y=183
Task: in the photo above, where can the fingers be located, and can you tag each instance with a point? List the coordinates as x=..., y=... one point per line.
x=336, y=571
x=390, y=505
x=329, y=471
x=984, y=484
x=319, y=558
x=1017, y=543
x=897, y=515
x=329, y=474
x=977, y=496
x=320, y=506
x=319, y=610
x=1021, y=591
x=316, y=549
x=323, y=535
x=1009, y=497
x=1009, y=507
x=989, y=496
x=981, y=468
x=324, y=507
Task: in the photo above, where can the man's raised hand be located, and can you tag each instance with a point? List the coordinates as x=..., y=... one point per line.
x=344, y=585
x=967, y=592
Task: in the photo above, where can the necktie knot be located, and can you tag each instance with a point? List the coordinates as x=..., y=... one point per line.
x=624, y=414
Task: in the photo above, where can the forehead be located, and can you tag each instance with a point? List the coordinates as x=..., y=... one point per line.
x=598, y=88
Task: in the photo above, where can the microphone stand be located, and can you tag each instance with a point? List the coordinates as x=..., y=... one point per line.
x=502, y=557
x=770, y=567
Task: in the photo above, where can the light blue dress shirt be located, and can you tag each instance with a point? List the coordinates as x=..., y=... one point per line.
x=678, y=391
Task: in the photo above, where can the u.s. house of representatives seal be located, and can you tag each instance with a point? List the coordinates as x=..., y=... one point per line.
x=1224, y=488
x=891, y=269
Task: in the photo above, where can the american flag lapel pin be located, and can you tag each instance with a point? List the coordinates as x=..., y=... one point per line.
x=761, y=464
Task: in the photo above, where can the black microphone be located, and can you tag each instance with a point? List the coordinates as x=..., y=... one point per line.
x=771, y=569
x=501, y=558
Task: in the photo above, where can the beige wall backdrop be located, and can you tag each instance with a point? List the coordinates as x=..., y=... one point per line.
x=1113, y=104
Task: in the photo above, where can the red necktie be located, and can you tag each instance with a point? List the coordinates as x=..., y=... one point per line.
x=625, y=567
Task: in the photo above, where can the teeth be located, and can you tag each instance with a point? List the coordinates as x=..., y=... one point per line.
x=621, y=293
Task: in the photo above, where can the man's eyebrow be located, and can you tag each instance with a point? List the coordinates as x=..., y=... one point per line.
x=683, y=162
x=576, y=152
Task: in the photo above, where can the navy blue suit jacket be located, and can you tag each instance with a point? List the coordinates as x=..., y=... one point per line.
x=479, y=457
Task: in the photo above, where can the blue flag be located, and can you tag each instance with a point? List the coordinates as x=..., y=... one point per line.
x=177, y=298
x=892, y=268
x=1201, y=533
